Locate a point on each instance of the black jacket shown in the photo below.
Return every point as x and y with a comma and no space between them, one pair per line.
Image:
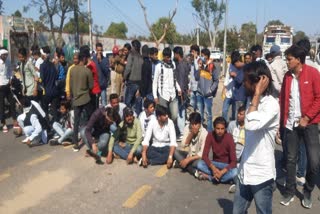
146,77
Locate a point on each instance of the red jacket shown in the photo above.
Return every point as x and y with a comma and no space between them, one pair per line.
96,87
309,87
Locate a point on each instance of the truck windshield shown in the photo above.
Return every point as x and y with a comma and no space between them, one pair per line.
270,40
285,40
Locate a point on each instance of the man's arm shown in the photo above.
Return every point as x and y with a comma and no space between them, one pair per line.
127,71
314,110
139,135
155,82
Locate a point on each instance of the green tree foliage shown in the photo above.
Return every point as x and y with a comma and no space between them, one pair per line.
39,26
118,30
17,14
299,35
247,34
233,42
275,22
70,27
157,28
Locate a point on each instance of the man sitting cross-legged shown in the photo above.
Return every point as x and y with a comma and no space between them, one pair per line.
162,133
194,137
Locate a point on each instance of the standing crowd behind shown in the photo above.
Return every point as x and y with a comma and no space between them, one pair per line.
145,119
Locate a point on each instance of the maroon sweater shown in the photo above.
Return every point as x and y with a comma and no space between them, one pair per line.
223,151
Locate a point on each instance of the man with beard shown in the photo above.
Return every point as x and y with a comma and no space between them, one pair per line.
116,104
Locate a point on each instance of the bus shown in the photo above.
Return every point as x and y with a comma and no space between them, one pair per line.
277,35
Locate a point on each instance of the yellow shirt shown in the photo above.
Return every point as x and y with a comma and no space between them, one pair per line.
68,80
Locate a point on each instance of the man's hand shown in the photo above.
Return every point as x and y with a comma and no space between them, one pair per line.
233,74
304,121
184,163
262,85
130,158
156,100
169,162
109,158
95,148
138,93
122,144
219,173
179,93
35,93
144,159
68,97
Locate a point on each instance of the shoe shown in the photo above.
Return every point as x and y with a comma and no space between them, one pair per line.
140,162
300,180
307,201
286,200
66,143
5,129
25,140
54,142
232,188
196,174
175,164
56,136
76,148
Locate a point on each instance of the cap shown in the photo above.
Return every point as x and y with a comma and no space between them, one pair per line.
127,111
275,49
3,51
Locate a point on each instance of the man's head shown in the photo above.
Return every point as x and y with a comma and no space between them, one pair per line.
145,51
22,54
247,58
4,54
205,53
195,122
166,53
99,49
236,59
252,74
296,57
305,44
111,116
45,52
128,116
136,45
162,114
256,51
275,50
178,53
195,50
36,54
126,49
269,57
114,101
241,114
149,106
76,58
219,125
84,54
153,54
65,106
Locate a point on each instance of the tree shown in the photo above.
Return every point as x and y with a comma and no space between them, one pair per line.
1,7
232,39
299,35
275,22
70,27
157,29
247,34
118,30
165,27
17,14
39,26
210,14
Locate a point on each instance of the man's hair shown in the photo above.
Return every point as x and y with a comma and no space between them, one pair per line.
36,52
148,102
145,51
166,52
84,52
128,46
268,55
305,44
195,118
241,108
127,111
178,50
113,114
220,120
255,70
297,52
99,45
22,51
235,57
136,44
247,54
161,111
66,104
153,50
195,48
113,96
46,49
34,48
255,48
206,52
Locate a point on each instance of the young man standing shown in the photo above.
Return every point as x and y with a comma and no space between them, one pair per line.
257,170
300,116
195,52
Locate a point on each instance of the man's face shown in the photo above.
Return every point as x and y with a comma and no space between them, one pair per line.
194,53
114,103
293,62
4,57
150,109
247,59
99,51
61,58
21,58
166,59
163,119
248,85
63,110
194,128
125,51
240,116
154,56
129,119
76,59
219,130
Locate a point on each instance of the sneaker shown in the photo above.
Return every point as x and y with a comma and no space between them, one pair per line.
54,142
56,136
5,129
300,180
232,188
307,201
175,164
76,148
196,174
140,162
286,200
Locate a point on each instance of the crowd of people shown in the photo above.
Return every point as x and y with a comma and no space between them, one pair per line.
144,119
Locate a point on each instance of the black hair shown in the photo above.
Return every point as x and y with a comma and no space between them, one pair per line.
268,55
256,69
195,48
305,44
66,104
247,54
297,52
161,111
113,96
36,52
255,48
60,54
46,49
84,52
99,45
113,114
127,111
166,52
195,118
22,51
241,108
153,51
235,57
206,52
148,102
145,51
136,45
178,50
220,120
128,46
34,48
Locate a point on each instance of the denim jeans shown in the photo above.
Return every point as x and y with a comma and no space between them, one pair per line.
205,106
104,97
193,100
302,161
102,144
181,120
225,109
158,155
229,176
181,155
78,110
124,152
261,193
172,106
62,132
130,98
310,137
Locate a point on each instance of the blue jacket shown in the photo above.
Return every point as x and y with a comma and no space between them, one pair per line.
49,76
238,93
207,81
103,71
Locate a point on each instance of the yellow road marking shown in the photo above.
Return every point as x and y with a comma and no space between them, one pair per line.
38,160
4,176
134,199
162,171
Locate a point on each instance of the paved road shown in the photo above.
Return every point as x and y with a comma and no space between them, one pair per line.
56,180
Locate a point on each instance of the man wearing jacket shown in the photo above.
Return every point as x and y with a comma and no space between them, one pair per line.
300,115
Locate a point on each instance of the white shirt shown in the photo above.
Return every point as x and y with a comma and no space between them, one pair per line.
144,121
228,84
122,106
5,73
164,83
294,104
258,161
161,136
38,63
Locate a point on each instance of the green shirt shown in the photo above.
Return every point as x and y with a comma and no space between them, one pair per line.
81,82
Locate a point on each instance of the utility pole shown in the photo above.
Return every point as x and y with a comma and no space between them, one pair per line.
195,17
76,24
225,39
90,24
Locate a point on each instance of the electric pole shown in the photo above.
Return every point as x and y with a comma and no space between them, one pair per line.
90,24
76,24
225,39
